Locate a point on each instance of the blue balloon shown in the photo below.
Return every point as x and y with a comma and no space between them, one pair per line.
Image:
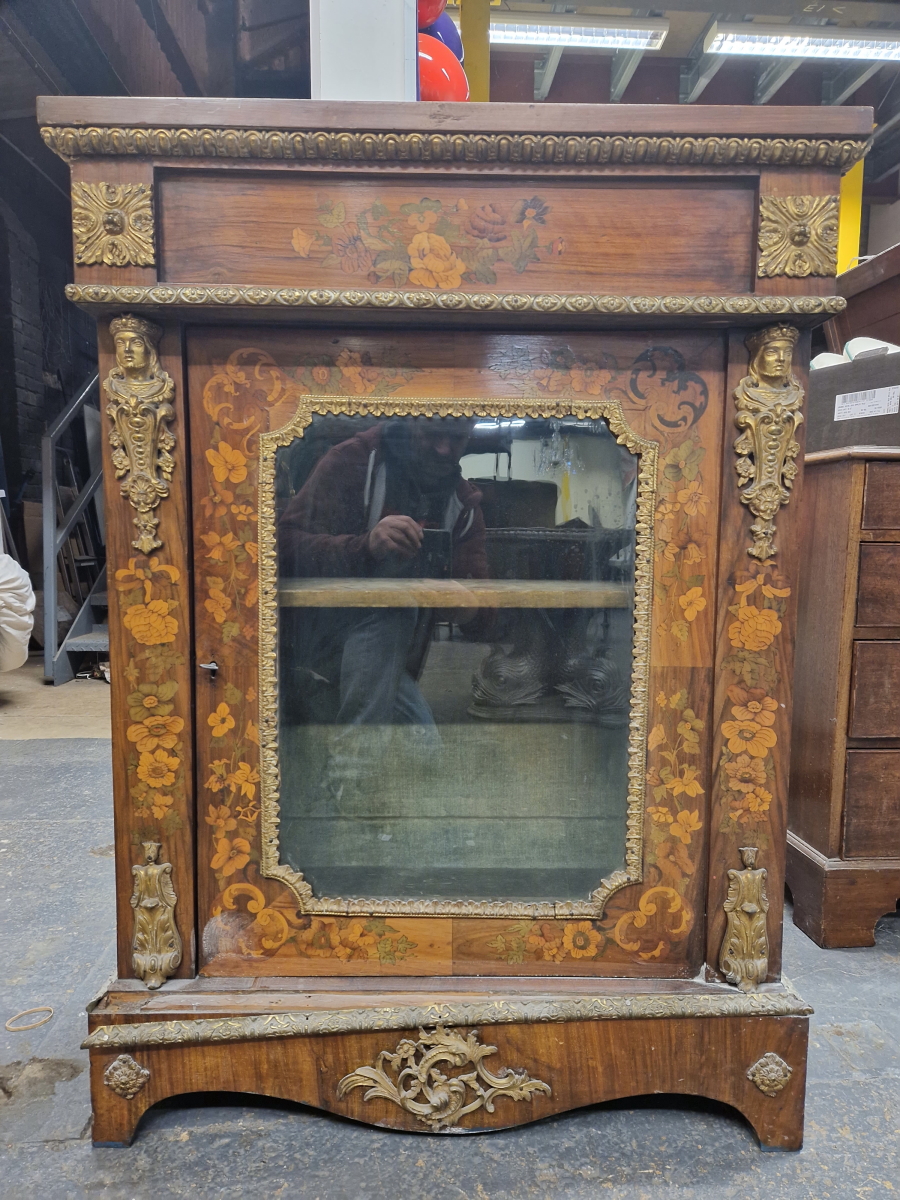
444,29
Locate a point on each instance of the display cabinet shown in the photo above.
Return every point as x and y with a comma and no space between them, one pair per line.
452,596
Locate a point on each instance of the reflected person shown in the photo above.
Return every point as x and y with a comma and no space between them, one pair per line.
362,514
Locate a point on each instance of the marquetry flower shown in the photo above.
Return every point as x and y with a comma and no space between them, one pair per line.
759,800
659,816
302,242
150,624
352,250
662,699
545,940
690,725
155,730
247,812
227,463
673,861
692,602
761,710
531,212
355,936
216,781
423,221
158,769
160,804
321,374
683,462
433,262
693,499
252,549
745,773
656,737
150,698
243,512
252,731
219,546
246,778
357,375
219,816
686,783
755,628
321,939
231,855
666,512
581,939
748,737
693,553
588,377
685,824
552,380
487,224
221,720
218,604
216,503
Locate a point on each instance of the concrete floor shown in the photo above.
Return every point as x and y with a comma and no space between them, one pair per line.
56,948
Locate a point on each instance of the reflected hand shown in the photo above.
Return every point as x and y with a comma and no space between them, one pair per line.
395,535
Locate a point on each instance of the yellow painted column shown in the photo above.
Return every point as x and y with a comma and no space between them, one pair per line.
475,27
850,221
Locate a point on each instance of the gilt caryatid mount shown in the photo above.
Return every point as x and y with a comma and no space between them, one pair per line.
156,942
768,414
140,395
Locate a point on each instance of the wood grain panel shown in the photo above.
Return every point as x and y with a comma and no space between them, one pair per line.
509,235
144,660
872,804
878,600
875,690
881,506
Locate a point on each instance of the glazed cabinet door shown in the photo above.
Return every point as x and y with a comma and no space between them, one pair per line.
458,589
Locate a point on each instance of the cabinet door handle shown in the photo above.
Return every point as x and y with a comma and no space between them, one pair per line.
212,667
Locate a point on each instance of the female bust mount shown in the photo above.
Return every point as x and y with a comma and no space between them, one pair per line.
768,414
140,395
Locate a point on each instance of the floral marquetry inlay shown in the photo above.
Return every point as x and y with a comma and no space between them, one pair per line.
113,224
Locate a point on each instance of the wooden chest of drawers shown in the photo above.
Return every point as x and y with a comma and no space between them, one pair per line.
843,862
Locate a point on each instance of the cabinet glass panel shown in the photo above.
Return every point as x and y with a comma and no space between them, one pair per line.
454,656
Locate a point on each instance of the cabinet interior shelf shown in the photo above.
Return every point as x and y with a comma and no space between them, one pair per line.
452,593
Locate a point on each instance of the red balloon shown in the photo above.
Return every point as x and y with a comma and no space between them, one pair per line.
441,75
429,11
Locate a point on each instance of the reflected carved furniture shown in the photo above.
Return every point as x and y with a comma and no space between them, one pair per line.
506,265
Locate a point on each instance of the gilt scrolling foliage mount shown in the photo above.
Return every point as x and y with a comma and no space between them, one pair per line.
647,451
113,224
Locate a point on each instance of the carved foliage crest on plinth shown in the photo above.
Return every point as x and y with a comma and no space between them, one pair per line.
411,1076
768,414
744,957
140,395
156,943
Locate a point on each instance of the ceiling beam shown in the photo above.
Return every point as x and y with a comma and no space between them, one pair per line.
843,11
770,79
840,84
546,72
624,65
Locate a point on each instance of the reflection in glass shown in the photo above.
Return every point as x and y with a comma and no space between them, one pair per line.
455,634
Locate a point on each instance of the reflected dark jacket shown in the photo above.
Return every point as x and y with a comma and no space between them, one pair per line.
324,529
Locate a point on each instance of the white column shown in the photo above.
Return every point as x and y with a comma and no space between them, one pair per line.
363,49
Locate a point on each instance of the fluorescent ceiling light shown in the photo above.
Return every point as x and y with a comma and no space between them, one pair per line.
634,34
797,41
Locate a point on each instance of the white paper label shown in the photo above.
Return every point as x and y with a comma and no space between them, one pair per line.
876,402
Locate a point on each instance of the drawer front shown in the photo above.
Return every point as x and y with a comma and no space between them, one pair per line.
872,804
881,505
879,596
875,693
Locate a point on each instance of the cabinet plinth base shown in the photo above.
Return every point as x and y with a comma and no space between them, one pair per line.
837,902
405,1060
